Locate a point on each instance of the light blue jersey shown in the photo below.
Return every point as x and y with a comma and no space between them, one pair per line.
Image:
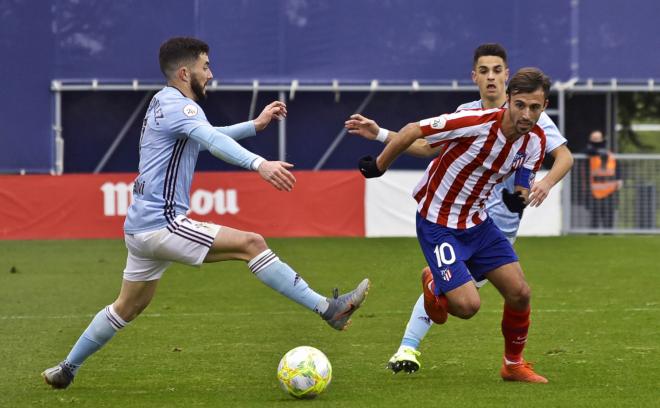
505,220
169,145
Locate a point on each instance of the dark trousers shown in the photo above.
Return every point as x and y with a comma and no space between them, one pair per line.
602,212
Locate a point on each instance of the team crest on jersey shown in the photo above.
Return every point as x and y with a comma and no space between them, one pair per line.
445,275
518,160
439,122
190,110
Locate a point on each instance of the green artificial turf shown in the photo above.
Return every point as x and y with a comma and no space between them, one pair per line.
213,336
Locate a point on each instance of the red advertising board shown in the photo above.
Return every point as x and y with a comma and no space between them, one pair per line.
327,203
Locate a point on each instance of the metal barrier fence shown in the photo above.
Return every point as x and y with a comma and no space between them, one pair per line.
634,208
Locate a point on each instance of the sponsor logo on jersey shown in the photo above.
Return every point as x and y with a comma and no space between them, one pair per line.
439,122
190,110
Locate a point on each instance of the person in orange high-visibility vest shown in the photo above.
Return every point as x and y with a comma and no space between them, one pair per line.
603,182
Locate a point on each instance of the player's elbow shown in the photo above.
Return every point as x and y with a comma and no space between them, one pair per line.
569,159
411,132
564,155
410,126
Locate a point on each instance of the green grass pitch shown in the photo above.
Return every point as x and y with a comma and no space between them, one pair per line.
213,336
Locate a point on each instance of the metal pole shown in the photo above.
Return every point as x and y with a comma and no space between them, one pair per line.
566,206
341,135
575,38
566,184
561,110
609,130
281,128
57,129
615,120
572,85
122,133
253,102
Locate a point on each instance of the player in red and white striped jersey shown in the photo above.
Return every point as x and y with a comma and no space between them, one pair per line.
478,155
458,239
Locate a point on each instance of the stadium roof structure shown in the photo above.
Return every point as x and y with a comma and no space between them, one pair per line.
287,91
375,85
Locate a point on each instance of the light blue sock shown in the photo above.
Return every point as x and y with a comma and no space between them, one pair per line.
418,325
268,268
104,325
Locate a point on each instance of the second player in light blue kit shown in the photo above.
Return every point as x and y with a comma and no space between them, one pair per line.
157,230
490,72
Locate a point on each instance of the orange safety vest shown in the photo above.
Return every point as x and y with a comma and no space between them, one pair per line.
603,179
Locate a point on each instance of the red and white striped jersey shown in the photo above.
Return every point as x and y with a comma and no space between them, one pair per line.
457,183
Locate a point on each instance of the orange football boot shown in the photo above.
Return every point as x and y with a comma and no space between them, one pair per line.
522,371
434,307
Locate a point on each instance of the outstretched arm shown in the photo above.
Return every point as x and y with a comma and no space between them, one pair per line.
277,173
274,110
239,130
227,149
562,164
437,130
369,129
402,141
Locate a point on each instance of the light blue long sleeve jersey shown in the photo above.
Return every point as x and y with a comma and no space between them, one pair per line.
505,220
174,131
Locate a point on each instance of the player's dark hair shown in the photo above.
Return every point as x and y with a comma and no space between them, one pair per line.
528,80
179,51
489,49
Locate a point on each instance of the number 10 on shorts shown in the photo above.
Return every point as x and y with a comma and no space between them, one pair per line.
444,254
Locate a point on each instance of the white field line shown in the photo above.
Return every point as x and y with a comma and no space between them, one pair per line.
273,313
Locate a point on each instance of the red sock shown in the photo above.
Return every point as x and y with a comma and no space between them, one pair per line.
515,325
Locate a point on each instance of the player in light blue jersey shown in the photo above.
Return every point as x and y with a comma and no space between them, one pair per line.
157,230
490,72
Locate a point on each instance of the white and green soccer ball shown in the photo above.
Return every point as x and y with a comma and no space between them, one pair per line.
304,372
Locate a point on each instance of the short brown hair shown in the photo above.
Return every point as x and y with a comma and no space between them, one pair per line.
488,50
528,80
178,51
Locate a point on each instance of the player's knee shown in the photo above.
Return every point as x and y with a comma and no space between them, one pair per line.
254,244
465,308
525,295
521,296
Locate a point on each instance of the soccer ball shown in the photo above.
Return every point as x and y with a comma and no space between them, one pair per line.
304,372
